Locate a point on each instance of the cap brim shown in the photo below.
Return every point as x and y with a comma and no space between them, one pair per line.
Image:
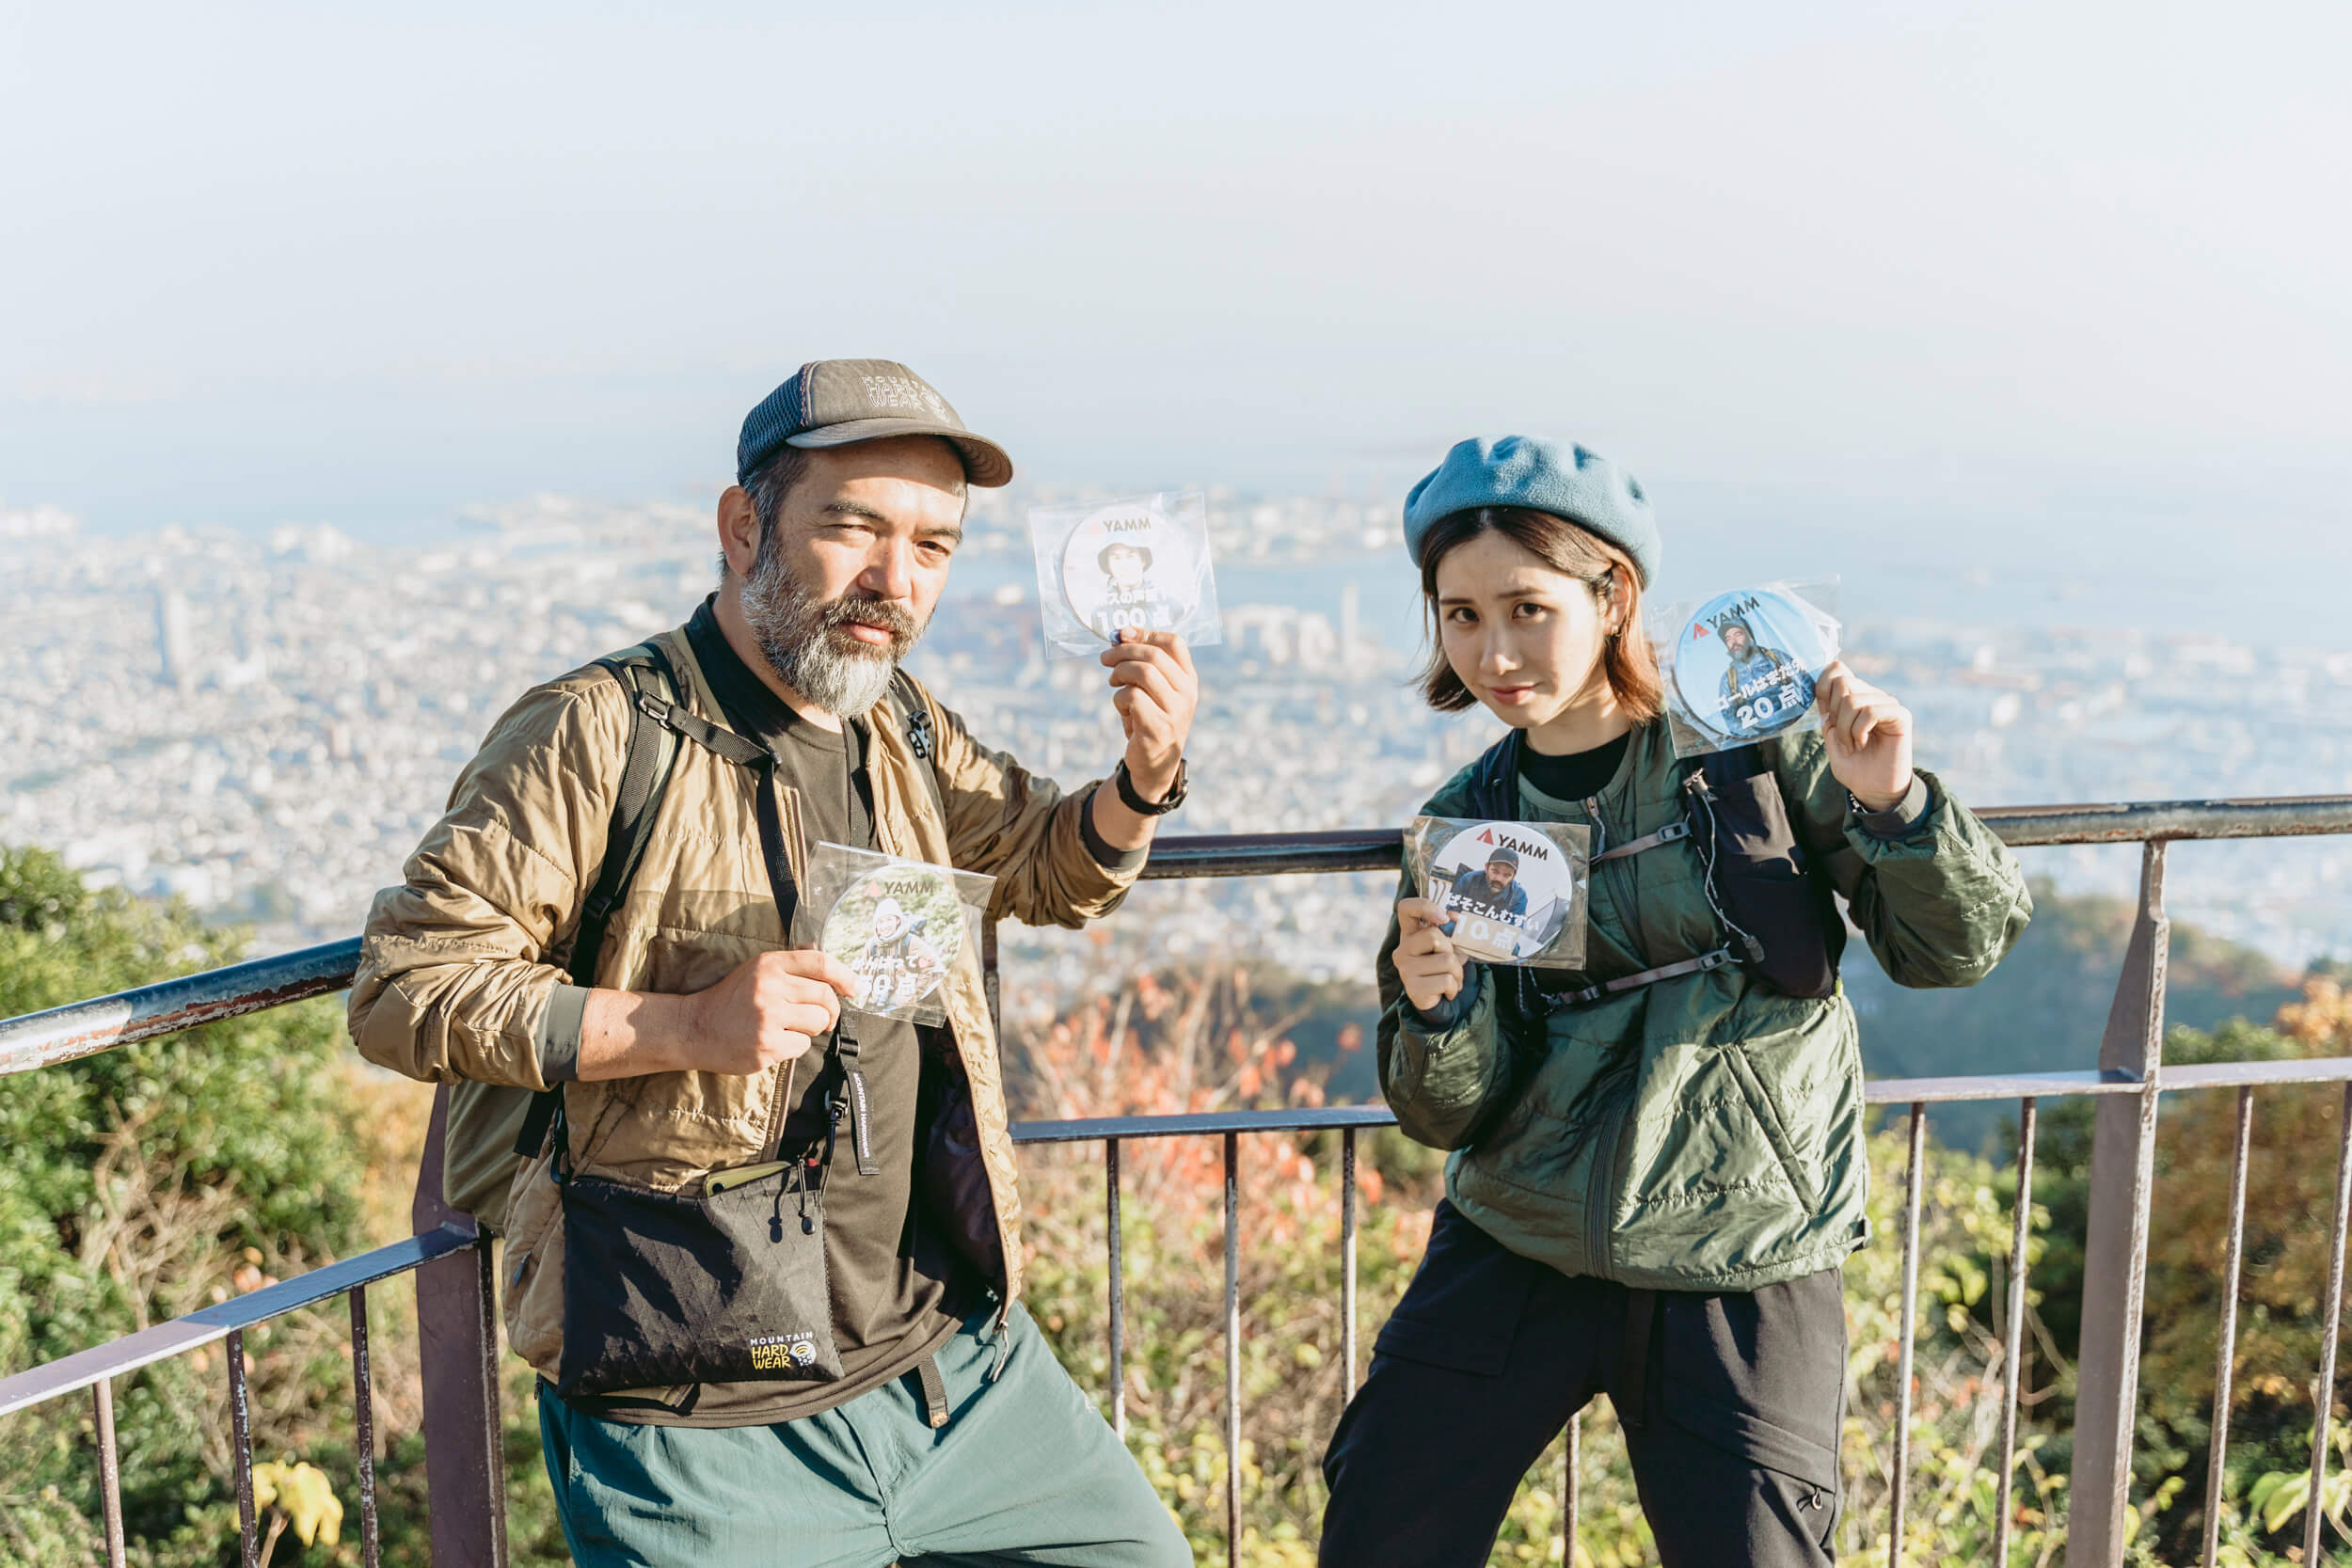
985,463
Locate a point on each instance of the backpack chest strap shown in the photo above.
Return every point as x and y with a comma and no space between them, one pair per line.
1673,832
1668,834
1704,963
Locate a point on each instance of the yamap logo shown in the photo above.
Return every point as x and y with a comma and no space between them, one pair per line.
1530,848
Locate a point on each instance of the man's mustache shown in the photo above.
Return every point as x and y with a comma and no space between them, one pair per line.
903,627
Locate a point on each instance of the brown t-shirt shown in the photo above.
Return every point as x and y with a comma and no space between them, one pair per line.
899,1287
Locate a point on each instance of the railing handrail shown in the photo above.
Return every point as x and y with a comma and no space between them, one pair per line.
164,1341
102,1024
456,1291
161,1341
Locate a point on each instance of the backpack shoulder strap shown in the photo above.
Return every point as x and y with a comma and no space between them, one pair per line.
652,756
1722,769
1495,783
645,676
912,714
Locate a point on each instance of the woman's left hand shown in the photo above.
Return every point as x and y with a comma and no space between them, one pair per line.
1869,736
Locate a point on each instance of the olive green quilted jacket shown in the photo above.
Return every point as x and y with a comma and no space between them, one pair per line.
1702,1133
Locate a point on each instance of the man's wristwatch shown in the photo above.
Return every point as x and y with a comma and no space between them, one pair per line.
1136,803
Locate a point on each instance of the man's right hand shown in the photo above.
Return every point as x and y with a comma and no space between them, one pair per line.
1426,959
768,1009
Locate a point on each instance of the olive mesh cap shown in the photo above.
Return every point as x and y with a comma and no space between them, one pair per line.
832,403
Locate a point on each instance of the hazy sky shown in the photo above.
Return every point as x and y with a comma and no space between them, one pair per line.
1880,264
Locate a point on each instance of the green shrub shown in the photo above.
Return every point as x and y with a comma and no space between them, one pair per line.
142,1184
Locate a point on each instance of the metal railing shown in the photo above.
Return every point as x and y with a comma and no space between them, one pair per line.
456,1290
465,1467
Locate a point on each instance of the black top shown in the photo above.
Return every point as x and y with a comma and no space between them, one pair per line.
1577,775
900,1288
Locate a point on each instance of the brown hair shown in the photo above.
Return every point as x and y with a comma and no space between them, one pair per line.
1626,660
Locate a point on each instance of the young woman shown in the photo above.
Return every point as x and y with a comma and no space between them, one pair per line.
1657,1163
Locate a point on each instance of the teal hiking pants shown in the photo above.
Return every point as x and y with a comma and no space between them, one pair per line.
1023,1472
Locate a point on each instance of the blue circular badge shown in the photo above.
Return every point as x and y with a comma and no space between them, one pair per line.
1744,665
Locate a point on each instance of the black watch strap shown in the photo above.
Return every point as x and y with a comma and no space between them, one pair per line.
1137,804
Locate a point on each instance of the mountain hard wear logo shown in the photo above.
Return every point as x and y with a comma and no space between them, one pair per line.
894,391
782,1351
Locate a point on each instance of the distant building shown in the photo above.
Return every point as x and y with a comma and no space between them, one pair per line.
40,522
171,639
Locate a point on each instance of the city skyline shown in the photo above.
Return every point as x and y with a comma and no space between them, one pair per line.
266,726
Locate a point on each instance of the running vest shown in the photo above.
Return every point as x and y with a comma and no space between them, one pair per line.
1780,920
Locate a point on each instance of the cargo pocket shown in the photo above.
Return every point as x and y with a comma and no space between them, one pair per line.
1762,1374
1463,1310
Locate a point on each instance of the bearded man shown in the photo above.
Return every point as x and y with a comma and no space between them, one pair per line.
1493,889
1755,672
702,1055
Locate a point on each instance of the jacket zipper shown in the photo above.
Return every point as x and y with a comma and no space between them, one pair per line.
1620,873
955,1064
1600,1211
1599,1222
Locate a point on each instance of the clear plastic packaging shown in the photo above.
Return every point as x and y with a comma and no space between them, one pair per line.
1140,561
902,926
1514,891
1742,665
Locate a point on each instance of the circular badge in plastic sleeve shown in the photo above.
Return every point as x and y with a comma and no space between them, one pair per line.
1744,664
899,929
1506,888
1127,565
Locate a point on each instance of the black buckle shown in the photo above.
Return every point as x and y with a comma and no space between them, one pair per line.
661,713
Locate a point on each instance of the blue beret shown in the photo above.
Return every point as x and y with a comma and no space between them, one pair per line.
1543,476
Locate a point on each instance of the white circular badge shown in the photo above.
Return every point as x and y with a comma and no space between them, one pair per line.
1505,888
1126,565
1745,664
898,930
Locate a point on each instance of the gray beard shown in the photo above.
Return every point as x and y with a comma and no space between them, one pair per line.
801,637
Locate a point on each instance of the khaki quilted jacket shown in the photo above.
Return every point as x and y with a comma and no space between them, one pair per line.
462,969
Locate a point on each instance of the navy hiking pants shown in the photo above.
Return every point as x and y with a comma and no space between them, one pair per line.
1731,1403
